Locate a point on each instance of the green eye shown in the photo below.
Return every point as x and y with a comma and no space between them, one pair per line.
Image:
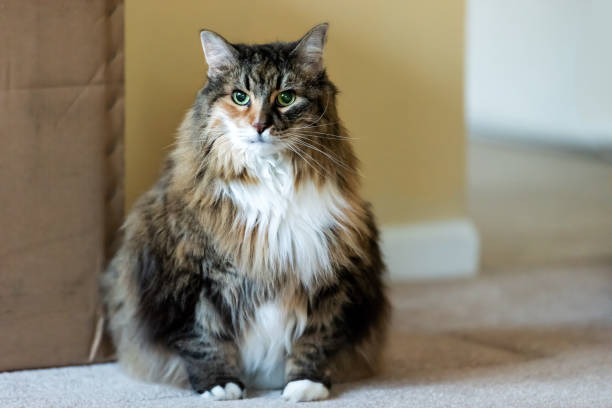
240,98
285,98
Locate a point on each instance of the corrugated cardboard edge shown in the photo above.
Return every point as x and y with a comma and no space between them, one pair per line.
101,346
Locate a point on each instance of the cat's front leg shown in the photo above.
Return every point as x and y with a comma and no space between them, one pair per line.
212,367
307,373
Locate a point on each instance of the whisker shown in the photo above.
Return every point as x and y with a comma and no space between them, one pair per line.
175,143
294,149
324,135
315,126
334,159
215,143
307,139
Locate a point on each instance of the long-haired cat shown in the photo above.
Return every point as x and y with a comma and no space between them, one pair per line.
253,261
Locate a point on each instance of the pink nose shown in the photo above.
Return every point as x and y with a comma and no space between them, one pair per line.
260,126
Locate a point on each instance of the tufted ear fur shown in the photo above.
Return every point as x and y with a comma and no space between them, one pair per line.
309,51
219,54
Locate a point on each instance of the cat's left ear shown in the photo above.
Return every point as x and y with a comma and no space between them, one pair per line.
309,51
220,54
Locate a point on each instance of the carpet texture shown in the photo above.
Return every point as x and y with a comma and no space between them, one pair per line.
532,339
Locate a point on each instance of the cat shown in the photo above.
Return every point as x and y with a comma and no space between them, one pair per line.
253,261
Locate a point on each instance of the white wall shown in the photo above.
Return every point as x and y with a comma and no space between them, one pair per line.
540,69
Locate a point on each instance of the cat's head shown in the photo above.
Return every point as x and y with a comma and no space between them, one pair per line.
262,100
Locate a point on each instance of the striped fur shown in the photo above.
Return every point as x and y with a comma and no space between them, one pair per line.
253,260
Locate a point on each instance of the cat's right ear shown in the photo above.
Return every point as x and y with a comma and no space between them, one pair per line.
309,50
219,54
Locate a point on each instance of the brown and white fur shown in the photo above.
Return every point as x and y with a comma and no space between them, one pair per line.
253,261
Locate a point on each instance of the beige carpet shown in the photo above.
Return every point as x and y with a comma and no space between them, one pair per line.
531,339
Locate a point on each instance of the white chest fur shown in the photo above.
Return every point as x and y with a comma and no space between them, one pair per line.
291,221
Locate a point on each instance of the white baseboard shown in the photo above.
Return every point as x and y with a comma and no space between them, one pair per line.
431,250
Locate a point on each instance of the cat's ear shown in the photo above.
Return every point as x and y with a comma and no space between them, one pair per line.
309,51
219,54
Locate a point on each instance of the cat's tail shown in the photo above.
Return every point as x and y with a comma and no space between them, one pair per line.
97,339
135,353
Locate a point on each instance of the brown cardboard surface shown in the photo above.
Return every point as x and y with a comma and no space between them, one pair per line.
61,171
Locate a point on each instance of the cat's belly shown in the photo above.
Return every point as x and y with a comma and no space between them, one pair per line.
267,342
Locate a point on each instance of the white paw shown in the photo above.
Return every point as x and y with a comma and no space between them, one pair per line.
231,391
305,390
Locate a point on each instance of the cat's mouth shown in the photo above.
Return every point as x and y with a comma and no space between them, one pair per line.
265,138
262,144
259,139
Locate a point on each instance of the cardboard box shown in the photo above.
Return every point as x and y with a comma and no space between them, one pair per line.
61,173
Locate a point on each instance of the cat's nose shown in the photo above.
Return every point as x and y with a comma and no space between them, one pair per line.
260,126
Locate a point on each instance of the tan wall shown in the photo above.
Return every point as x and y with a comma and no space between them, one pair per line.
398,64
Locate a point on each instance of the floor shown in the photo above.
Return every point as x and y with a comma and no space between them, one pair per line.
538,205
533,338
534,329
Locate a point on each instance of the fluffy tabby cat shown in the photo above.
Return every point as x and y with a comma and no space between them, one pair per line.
253,261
